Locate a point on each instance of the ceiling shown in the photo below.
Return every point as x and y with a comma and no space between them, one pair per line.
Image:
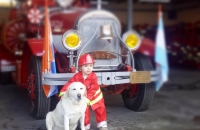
176,5
171,1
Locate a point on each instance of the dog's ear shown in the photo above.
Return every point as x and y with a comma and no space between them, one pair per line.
67,91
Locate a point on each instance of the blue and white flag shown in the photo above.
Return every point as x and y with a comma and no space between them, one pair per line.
53,89
161,55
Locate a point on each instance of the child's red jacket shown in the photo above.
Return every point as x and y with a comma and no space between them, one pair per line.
94,94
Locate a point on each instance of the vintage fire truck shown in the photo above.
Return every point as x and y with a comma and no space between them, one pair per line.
123,62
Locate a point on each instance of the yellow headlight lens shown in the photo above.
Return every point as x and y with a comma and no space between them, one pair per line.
132,41
72,40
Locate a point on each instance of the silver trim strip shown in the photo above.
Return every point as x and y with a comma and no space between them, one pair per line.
104,78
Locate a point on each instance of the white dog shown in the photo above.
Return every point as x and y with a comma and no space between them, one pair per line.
69,109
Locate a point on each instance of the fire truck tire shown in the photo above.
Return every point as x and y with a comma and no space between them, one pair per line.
40,104
5,78
142,98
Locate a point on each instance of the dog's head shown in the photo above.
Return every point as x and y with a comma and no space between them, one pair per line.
76,91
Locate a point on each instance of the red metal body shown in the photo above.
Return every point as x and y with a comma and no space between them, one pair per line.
28,44
147,47
36,46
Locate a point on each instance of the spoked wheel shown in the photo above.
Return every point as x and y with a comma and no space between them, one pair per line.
138,97
14,34
40,104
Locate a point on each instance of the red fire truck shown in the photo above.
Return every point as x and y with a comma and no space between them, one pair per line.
123,62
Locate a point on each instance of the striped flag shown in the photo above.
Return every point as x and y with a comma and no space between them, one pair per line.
161,54
53,89
48,59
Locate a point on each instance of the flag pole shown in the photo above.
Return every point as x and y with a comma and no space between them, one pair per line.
159,15
159,10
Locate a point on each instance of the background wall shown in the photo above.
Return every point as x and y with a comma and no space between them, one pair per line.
191,15
143,13
147,13
4,14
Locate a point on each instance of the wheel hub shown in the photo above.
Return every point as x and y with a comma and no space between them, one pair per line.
31,88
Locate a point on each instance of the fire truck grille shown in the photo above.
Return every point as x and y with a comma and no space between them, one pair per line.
105,52
8,68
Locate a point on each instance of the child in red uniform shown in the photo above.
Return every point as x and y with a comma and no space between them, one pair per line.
94,94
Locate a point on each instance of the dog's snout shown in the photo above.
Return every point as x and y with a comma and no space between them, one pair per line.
79,96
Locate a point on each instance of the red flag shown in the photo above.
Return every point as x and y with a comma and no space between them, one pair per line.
47,56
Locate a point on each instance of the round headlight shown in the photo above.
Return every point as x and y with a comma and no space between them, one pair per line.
71,40
132,40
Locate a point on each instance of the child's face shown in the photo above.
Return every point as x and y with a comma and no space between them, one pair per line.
86,69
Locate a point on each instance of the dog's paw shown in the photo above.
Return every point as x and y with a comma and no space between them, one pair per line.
83,128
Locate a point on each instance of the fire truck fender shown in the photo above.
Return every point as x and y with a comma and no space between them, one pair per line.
36,46
147,47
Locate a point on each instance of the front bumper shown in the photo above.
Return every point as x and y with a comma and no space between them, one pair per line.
104,78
